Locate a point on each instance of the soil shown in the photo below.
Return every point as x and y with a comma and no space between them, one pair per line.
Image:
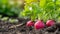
20,28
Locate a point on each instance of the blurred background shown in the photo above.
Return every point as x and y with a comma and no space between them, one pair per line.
42,9
11,8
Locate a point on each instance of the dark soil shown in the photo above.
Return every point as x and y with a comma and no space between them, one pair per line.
20,28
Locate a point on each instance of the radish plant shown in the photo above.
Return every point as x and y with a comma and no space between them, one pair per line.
30,11
44,11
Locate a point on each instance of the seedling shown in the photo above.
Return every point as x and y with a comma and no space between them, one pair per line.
13,20
4,18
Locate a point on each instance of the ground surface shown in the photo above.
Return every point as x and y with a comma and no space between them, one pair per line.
20,28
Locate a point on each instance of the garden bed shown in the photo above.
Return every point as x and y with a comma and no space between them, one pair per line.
20,28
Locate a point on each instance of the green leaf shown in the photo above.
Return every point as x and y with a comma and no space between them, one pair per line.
42,3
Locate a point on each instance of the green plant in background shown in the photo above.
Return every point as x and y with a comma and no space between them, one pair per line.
5,18
10,8
33,9
13,20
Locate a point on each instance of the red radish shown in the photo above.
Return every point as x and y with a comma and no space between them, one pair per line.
50,23
39,25
30,23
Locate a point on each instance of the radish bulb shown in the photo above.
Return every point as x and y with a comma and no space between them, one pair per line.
30,23
50,23
39,25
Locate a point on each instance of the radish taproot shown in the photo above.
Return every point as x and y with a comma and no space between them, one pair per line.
50,23
39,25
30,23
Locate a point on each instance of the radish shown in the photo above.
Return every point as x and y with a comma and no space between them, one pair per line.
39,25
30,23
50,23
